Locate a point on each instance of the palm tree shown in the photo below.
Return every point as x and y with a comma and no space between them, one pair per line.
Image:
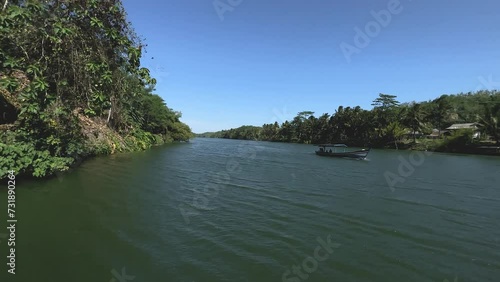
412,117
394,131
384,109
439,112
490,119
286,132
322,128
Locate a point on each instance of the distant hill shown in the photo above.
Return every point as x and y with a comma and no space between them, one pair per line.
206,135
246,132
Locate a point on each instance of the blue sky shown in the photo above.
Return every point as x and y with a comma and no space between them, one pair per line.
266,60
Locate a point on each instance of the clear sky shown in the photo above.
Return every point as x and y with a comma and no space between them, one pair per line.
259,61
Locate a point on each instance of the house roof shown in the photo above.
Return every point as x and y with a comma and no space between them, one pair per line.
463,126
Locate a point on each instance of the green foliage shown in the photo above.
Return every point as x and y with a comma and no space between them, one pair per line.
101,147
23,158
394,131
413,116
490,118
387,123
457,142
63,59
245,132
180,132
385,102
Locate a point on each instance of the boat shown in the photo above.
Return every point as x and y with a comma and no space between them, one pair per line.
340,151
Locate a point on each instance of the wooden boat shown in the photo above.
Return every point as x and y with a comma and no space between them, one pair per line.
340,151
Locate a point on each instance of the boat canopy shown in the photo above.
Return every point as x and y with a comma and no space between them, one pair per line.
333,145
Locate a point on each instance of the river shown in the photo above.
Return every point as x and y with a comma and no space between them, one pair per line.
228,210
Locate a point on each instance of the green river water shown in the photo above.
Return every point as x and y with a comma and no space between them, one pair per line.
228,210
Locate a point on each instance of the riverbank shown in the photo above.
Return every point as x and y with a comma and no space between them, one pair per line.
60,102
450,145
434,145
96,139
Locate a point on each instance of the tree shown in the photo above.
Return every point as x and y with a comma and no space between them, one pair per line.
300,127
68,66
395,131
384,109
385,102
413,117
181,132
439,112
386,123
321,131
286,132
490,119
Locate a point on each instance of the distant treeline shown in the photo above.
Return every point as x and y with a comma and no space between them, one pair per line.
388,122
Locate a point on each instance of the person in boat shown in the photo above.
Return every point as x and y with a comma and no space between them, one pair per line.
330,151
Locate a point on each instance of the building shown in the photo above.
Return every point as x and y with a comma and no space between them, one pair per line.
457,126
472,126
436,134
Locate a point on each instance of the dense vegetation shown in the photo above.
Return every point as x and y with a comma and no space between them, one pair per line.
71,86
388,123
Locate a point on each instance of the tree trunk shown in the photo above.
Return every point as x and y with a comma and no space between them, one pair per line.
109,116
5,5
112,104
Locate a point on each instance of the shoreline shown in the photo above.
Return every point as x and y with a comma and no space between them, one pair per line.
467,150
493,151
80,159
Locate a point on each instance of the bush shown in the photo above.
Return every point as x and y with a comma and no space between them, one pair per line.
24,159
457,142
